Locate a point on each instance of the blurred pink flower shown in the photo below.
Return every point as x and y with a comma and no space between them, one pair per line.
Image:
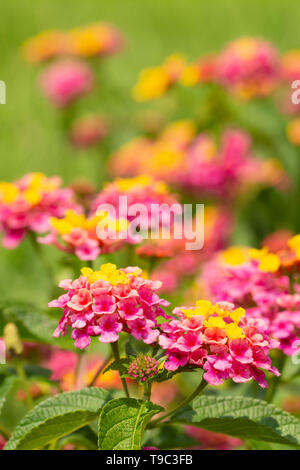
28,203
197,164
88,131
66,80
248,67
265,295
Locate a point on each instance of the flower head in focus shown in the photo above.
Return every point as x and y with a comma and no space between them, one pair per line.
105,302
221,340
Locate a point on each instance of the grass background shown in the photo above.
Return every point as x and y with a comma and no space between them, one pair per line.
29,137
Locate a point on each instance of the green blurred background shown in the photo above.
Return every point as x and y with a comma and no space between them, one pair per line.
30,139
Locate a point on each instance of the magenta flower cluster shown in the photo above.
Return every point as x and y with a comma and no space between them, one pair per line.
265,295
219,339
103,303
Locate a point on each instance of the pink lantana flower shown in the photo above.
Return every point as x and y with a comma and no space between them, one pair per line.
27,204
64,81
103,303
248,67
226,344
78,234
143,190
258,280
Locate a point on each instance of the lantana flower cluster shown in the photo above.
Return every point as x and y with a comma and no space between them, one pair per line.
76,233
93,40
221,340
141,192
103,303
248,67
27,204
261,281
195,163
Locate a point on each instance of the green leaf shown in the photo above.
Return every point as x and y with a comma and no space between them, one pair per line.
129,349
122,423
120,365
85,438
5,388
165,374
246,418
56,417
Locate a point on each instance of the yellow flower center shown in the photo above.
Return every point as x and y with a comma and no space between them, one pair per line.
108,272
215,316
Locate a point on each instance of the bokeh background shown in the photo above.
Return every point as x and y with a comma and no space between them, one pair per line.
33,135
29,130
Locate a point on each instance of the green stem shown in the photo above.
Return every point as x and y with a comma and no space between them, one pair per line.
115,351
89,264
291,284
181,405
22,375
79,371
276,380
5,432
147,391
152,264
53,444
43,260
